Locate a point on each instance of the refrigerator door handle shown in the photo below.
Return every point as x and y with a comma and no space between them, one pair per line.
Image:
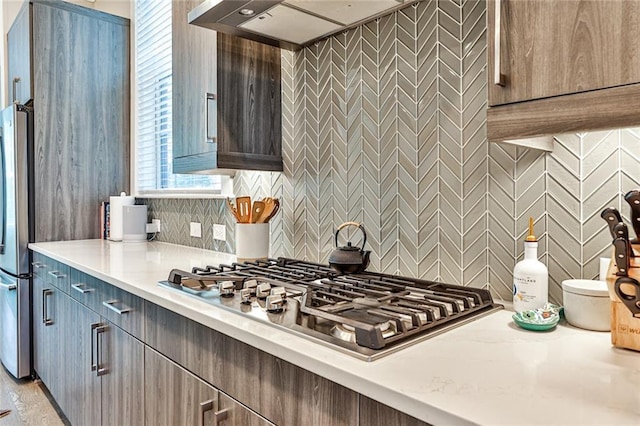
8,286
3,189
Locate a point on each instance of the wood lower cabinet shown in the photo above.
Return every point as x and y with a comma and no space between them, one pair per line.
373,413
47,354
182,398
92,368
122,384
281,392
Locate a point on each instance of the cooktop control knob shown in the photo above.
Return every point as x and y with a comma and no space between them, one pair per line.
262,290
226,288
274,303
251,286
280,291
245,296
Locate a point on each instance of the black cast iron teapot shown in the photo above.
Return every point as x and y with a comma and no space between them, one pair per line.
349,259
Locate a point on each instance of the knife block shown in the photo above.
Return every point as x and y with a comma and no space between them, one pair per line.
625,328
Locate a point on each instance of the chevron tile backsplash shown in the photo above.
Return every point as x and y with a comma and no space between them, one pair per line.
385,125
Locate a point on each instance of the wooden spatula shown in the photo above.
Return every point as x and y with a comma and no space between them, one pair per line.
244,209
257,211
271,210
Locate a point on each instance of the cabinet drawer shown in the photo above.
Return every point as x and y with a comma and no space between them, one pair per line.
52,272
86,289
122,309
40,265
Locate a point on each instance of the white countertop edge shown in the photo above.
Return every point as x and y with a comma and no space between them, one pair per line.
322,362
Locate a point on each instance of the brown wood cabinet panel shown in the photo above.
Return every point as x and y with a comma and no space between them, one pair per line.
19,57
194,75
597,110
174,395
552,48
281,392
123,384
249,104
81,117
373,413
80,386
238,415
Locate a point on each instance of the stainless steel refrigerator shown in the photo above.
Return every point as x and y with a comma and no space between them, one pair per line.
15,233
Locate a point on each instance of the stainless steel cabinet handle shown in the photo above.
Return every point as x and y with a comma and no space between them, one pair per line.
100,371
110,304
82,288
38,265
16,80
57,274
8,286
498,77
204,407
45,307
94,364
220,416
211,117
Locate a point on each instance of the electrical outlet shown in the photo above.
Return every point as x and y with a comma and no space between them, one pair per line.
196,229
154,226
219,232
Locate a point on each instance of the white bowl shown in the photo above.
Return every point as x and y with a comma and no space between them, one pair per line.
587,304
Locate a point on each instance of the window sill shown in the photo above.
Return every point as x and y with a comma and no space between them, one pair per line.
183,194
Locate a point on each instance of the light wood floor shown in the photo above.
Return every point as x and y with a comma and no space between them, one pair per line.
27,401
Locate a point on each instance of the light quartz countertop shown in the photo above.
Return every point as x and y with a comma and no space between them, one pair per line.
485,372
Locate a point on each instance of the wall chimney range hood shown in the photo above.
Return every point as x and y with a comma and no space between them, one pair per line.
289,24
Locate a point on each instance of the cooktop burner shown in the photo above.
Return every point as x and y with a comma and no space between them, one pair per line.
367,315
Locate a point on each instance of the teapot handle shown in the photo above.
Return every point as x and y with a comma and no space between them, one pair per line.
356,224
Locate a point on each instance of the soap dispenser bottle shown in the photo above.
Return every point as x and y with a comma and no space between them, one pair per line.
530,277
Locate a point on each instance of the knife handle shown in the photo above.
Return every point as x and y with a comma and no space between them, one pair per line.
622,231
633,198
612,217
621,252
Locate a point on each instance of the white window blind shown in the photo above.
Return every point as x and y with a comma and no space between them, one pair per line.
153,85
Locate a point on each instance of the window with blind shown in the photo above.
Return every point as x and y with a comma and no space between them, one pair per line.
153,86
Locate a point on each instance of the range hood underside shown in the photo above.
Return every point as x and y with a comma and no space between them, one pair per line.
289,24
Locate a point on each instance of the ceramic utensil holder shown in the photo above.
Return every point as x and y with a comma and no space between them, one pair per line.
252,241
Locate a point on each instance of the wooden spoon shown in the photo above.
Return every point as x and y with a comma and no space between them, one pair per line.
244,209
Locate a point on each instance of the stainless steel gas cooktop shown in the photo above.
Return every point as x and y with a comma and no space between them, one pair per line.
366,315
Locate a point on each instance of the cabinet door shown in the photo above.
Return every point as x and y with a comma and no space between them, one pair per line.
122,357
551,48
80,398
174,395
232,413
193,86
249,105
19,57
81,119
43,330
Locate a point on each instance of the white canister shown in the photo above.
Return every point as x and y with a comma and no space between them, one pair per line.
252,241
587,304
116,213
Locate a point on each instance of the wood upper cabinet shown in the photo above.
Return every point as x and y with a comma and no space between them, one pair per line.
563,63
226,99
80,68
19,57
194,85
